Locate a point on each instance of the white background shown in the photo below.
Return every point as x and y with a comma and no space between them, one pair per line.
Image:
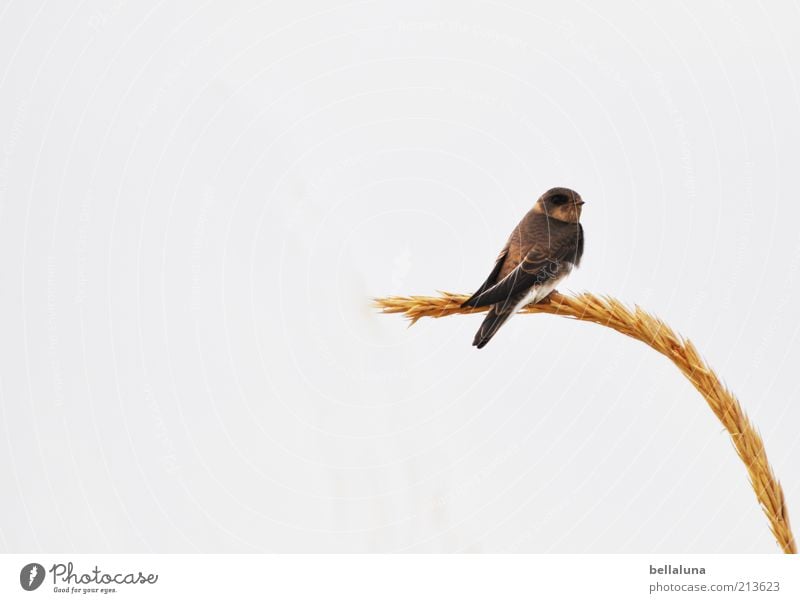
198,200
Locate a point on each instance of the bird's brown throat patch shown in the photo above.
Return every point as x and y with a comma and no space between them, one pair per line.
569,212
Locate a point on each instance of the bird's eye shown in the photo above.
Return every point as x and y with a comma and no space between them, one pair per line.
559,199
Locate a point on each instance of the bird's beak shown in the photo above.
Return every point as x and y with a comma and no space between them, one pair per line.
581,202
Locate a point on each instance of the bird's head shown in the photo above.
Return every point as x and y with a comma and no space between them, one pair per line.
559,203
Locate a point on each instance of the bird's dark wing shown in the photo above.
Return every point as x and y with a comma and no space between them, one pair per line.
491,281
539,266
579,248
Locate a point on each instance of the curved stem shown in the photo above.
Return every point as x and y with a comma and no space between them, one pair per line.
638,324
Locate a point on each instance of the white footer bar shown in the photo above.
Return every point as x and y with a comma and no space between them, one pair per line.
406,578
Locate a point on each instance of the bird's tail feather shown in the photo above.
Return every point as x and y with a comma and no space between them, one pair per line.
494,320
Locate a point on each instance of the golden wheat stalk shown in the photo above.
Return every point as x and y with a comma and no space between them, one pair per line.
648,329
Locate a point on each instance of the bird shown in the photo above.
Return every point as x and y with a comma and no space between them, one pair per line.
541,251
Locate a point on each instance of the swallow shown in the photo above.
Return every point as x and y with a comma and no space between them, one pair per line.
541,251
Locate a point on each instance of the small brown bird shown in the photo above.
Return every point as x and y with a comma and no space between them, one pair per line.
540,253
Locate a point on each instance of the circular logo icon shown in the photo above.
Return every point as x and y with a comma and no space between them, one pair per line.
31,576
